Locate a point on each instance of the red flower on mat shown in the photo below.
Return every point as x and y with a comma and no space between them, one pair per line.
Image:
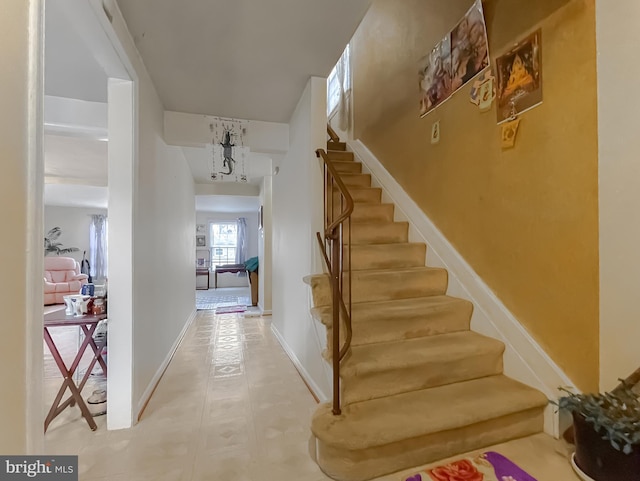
462,470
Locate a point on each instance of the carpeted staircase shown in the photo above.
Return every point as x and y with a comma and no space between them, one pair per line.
418,384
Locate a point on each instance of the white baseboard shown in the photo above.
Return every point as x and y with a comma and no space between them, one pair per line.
524,359
313,386
148,392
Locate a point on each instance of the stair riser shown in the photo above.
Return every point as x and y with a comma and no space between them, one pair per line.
371,195
365,464
385,286
372,213
401,324
445,314
387,256
348,167
336,146
340,155
357,180
365,213
406,329
410,329
389,286
387,233
395,381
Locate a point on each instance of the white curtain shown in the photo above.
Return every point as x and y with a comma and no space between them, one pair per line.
98,247
241,250
344,84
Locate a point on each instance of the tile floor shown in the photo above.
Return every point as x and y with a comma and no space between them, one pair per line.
231,407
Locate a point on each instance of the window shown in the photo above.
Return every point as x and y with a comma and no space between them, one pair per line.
333,82
224,242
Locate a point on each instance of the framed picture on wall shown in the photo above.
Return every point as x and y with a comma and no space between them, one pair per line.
200,228
519,73
201,241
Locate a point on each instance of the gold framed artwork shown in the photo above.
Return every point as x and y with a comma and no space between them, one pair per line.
509,133
519,78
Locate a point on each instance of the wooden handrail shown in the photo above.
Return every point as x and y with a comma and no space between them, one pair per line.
334,251
333,137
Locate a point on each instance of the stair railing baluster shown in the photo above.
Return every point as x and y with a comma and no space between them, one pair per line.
337,254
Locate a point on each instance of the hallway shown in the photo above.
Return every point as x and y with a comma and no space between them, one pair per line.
230,407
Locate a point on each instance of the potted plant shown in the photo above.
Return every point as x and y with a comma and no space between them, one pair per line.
606,432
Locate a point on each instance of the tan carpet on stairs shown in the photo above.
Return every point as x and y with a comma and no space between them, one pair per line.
418,385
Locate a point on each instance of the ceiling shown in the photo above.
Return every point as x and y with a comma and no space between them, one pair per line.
70,68
75,163
244,59
247,59
69,195
75,160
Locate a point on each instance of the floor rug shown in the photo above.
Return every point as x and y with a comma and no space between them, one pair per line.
225,296
489,466
230,309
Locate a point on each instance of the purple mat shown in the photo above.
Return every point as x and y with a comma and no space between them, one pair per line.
230,309
489,466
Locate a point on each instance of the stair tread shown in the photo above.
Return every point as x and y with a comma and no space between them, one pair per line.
366,272
386,420
388,245
336,146
369,358
379,223
390,270
386,256
373,205
393,308
396,270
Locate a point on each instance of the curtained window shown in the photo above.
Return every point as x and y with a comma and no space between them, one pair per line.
241,251
223,242
98,230
339,91
228,242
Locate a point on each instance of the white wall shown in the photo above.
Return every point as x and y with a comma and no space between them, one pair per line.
163,234
265,247
74,222
228,279
297,216
21,217
75,117
618,40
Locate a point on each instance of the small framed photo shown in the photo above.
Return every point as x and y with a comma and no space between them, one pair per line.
200,228
201,241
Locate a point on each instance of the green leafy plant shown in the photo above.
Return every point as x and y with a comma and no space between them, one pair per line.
53,247
615,415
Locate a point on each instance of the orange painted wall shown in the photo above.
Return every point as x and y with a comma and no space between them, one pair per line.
526,219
